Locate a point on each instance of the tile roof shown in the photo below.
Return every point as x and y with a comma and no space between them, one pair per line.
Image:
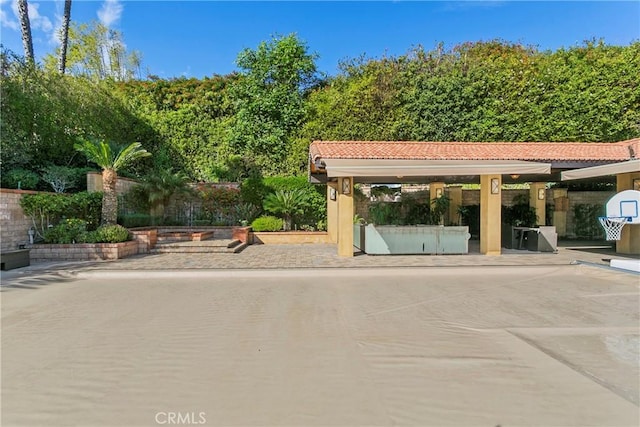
528,151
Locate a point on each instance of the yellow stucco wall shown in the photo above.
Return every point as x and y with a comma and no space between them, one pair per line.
345,218
332,212
537,200
490,215
629,242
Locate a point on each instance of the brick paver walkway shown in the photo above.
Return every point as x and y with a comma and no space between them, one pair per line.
321,256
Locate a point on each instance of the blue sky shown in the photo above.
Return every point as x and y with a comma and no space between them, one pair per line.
202,38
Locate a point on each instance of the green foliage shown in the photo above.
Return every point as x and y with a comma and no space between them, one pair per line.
86,206
160,186
20,178
269,97
267,223
439,208
61,178
109,156
470,216
289,203
520,214
137,220
72,230
386,213
112,233
220,205
44,114
261,119
255,191
585,221
246,212
97,52
483,91
47,209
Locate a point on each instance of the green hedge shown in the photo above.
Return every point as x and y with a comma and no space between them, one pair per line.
267,223
255,190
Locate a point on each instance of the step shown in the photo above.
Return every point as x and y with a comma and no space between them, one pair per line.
183,236
205,246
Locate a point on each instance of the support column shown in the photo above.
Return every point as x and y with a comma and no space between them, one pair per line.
629,242
332,211
538,199
436,190
490,214
345,217
455,195
560,209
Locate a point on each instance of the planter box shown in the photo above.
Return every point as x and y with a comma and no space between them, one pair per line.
147,237
83,251
242,234
409,240
289,237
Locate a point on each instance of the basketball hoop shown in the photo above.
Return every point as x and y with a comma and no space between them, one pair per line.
613,226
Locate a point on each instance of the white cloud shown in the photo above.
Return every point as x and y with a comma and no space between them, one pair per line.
37,21
5,20
110,12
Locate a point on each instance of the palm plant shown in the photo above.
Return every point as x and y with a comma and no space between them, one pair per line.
287,203
161,186
105,156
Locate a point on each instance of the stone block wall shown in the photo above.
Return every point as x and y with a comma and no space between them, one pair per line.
14,224
83,251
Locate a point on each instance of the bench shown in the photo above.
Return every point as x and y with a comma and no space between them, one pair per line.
14,259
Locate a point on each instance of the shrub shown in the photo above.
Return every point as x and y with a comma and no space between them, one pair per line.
20,178
219,205
267,223
71,230
46,209
585,221
137,220
112,233
288,203
256,190
520,214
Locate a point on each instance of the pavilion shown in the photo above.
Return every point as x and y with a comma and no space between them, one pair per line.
342,164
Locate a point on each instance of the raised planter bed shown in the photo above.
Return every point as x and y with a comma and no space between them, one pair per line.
288,237
83,251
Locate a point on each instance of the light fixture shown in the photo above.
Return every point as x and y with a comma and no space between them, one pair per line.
514,176
346,185
636,184
541,193
332,193
438,193
495,186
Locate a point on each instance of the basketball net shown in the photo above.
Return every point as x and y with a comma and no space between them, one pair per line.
612,226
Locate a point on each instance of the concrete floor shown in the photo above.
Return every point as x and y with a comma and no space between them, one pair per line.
548,345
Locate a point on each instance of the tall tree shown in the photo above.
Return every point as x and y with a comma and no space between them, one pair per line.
104,155
27,40
95,51
64,37
270,99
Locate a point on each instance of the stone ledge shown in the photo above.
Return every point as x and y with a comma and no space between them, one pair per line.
288,237
83,251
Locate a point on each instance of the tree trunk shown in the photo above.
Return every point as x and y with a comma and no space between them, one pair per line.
109,197
27,41
64,37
